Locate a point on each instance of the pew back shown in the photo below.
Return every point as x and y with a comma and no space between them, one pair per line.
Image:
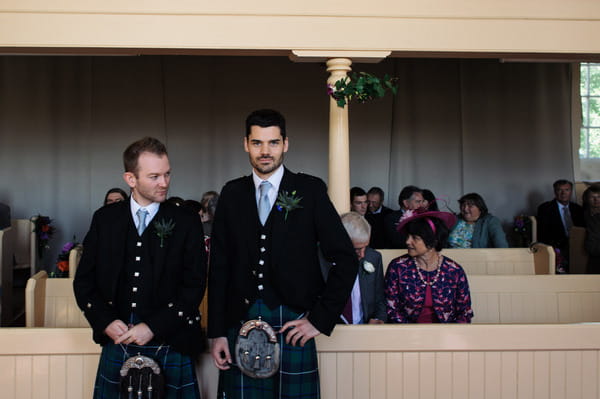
50,302
25,244
535,299
7,239
493,261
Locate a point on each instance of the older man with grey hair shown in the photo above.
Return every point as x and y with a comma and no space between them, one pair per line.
366,303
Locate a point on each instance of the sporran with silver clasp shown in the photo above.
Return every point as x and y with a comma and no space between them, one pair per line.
257,349
141,378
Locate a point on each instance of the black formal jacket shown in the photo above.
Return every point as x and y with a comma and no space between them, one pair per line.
178,275
550,229
376,220
294,271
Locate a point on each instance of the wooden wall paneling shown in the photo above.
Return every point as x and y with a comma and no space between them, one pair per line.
426,369
410,375
443,373
460,375
41,376
525,377
345,367
557,375
493,375
377,370
394,376
476,374
589,374
24,378
573,375
508,369
328,373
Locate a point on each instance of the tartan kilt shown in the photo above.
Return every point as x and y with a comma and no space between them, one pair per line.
178,369
298,375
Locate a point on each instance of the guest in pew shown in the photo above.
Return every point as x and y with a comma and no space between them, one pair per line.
429,201
591,214
476,227
555,218
366,304
141,279
376,215
424,286
209,203
4,216
115,195
410,198
358,201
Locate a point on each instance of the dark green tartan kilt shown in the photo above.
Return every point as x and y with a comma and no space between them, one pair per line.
298,375
178,370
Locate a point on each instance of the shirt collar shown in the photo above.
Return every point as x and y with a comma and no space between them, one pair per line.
274,179
152,209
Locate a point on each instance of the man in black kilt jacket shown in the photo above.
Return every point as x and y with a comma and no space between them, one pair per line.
267,231
141,278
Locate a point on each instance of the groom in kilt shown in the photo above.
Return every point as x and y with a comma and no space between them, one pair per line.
267,232
141,278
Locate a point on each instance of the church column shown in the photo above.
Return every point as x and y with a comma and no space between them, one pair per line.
339,140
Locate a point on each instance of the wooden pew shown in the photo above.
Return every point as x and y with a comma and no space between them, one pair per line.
50,302
480,360
74,258
494,261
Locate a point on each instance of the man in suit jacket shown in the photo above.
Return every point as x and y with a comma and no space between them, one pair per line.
142,276
556,217
366,303
267,231
4,216
375,216
410,199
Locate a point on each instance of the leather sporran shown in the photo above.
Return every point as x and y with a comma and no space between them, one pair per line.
141,378
257,349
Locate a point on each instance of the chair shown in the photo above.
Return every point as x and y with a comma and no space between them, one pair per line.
25,245
74,258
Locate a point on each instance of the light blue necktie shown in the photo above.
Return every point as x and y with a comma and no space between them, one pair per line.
264,205
141,214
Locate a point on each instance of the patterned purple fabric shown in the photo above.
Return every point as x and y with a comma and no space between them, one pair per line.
405,292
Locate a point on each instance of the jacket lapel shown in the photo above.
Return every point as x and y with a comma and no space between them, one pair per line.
120,229
280,224
158,253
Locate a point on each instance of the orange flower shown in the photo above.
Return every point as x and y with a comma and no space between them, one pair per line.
45,228
63,265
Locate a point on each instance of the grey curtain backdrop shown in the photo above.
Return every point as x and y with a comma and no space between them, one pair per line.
456,126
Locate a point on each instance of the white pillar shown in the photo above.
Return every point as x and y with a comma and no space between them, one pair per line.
339,140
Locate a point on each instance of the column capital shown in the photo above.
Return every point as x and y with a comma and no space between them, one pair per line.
363,57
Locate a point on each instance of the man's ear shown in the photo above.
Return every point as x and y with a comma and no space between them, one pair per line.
130,179
245,139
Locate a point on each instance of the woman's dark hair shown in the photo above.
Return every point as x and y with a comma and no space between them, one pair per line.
430,197
433,239
476,200
115,190
593,189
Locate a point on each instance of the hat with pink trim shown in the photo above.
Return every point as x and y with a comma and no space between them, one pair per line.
449,219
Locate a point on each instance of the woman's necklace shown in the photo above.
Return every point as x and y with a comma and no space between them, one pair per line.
437,274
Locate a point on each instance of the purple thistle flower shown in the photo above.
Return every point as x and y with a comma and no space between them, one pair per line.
68,246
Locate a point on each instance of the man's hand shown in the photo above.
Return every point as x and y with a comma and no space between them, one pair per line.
140,334
115,330
219,349
375,321
300,331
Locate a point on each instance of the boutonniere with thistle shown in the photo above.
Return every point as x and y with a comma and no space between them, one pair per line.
164,229
368,267
287,202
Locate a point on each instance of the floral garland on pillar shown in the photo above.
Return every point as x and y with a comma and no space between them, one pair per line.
362,87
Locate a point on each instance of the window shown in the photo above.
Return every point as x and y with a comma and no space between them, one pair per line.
590,106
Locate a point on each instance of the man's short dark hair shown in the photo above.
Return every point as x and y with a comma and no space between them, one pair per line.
134,150
432,239
266,118
356,192
376,190
476,200
561,182
406,193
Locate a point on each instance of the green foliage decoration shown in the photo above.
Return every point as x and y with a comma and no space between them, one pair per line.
362,87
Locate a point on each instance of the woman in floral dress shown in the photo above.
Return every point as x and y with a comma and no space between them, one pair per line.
424,286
